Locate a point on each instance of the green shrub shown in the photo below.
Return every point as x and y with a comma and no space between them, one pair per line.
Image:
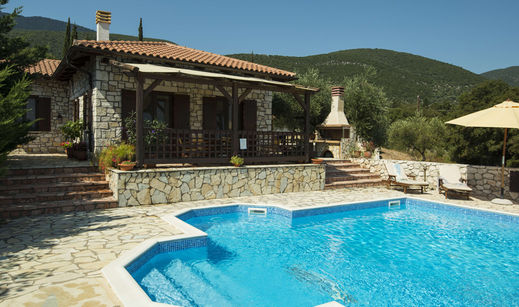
237,160
72,130
154,130
112,155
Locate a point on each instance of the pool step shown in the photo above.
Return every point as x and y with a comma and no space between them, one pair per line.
345,174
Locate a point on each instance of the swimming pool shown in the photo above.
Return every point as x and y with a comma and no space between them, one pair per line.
415,253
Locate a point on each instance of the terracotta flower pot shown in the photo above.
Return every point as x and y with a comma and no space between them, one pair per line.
70,152
126,167
356,153
317,161
367,154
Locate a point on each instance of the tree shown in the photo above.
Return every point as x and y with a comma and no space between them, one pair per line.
288,113
483,145
74,34
67,42
16,55
418,134
366,107
140,31
13,107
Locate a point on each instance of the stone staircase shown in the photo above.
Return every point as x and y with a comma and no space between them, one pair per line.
35,191
345,174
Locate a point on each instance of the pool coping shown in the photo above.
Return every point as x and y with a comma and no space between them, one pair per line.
130,292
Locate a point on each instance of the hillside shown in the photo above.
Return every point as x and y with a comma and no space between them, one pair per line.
403,75
510,75
51,32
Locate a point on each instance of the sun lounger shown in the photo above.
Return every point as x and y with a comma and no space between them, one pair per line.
398,177
450,181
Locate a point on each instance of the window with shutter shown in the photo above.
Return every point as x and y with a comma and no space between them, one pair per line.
216,113
39,108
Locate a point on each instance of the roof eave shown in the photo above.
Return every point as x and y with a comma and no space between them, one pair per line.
73,50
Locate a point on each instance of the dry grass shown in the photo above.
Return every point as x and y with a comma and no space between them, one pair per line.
391,154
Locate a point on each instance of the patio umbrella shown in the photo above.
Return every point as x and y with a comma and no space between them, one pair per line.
503,115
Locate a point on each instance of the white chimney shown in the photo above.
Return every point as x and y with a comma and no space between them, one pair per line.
336,118
103,20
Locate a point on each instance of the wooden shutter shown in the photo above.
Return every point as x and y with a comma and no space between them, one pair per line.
127,103
209,112
181,112
250,115
43,112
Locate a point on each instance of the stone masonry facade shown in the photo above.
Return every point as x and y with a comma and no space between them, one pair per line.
485,181
61,112
161,186
109,81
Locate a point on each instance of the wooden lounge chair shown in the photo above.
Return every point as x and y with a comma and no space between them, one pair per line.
450,181
398,177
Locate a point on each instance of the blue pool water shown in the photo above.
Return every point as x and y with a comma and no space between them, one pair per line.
411,256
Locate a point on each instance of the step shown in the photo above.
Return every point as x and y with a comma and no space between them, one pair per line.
54,187
330,179
358,170
52,196
344,166
51,170
354,183
33,209
336,161
46,179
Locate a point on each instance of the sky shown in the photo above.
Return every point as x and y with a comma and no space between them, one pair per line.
476,35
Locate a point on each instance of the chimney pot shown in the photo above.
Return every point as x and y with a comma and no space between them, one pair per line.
337,90
103,20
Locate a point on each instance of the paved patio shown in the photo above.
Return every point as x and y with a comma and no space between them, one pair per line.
55,260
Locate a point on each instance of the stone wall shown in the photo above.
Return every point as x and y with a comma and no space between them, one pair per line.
61,112
159,186
484,180
109,81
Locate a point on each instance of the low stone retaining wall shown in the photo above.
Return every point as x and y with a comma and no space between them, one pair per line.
160,186
484,180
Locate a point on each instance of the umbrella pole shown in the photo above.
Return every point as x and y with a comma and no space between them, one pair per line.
503,166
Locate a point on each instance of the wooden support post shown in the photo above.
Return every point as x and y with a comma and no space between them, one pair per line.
139,106
235,104
307,126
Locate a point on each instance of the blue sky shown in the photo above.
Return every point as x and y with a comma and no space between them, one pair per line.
476,35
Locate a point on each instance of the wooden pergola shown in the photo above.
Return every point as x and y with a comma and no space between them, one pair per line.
220,81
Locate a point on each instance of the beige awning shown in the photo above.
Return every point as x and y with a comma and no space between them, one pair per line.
153,68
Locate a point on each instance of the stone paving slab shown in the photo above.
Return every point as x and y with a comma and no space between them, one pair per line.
55,260
20,160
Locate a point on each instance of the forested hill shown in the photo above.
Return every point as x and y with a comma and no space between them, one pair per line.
403,76
51,33
510,75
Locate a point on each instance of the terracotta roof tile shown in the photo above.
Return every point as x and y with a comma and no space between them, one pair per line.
171,51
45,67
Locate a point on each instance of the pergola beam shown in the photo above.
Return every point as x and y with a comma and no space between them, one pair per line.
152,86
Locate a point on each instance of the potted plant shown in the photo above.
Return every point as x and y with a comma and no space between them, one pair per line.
72,131
111,156
126,165
237,161
369,146
68,148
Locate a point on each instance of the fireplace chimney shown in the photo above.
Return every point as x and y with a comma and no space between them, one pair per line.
336,126
336,118
103,20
